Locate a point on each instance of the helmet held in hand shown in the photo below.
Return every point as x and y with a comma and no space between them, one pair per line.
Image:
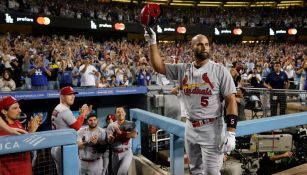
150,14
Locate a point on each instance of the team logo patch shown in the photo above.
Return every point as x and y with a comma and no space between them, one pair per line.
207,80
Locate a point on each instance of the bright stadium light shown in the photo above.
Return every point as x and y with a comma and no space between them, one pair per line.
292,31
209,4
181,4
119,26
181,30
43,20
237,31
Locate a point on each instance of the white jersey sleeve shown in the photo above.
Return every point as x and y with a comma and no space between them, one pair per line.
68,117
62,117
111,128
174,71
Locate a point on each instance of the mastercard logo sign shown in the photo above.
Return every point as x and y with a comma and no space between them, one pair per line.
292,31
43,20
181,30
237,31
119,26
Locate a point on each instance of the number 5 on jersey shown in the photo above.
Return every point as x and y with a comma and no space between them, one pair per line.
204,101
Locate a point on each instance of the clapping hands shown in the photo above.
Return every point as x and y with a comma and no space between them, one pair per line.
34,123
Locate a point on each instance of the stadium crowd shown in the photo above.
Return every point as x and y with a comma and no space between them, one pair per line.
214,17
41,63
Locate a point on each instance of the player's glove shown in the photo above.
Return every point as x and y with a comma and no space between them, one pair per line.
150,36
123,137
229,143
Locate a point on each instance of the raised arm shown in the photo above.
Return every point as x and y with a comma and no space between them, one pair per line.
156,60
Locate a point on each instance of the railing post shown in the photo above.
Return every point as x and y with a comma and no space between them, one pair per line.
70,159
136,143
265,104
176,155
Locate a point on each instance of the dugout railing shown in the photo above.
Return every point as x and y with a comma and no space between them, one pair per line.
65,138
295,101
176,130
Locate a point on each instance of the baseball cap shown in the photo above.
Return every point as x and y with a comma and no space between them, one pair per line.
67,90
7,101
110,116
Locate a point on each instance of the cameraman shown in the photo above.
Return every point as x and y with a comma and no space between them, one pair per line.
269,163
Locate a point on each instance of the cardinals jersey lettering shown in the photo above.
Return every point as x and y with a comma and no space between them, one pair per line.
203,89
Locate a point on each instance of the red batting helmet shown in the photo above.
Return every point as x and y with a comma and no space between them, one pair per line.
149,14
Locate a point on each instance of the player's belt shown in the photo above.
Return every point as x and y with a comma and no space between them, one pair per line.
202,122
120,150
90,160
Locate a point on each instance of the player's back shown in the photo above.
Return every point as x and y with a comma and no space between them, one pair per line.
62,117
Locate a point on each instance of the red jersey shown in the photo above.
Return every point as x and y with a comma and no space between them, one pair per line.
16,163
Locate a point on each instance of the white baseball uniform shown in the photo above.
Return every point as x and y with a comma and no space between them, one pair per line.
203,92
90,157
61,118
121,149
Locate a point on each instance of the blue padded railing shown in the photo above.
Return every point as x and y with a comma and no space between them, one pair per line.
67,138
176,129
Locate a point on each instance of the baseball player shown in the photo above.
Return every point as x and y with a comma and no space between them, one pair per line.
90,141
17,163
119,133
63,118
204,84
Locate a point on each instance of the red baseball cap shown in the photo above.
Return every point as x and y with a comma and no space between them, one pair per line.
67,90
7,101
111,116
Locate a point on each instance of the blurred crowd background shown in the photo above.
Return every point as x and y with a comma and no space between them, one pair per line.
124,63
125,12
31,62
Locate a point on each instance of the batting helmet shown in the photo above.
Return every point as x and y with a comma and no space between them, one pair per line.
149,14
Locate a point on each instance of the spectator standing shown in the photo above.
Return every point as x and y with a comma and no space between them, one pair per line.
54,65
39,74
277,80
288,67
88,73
6,82
65,73
76,75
